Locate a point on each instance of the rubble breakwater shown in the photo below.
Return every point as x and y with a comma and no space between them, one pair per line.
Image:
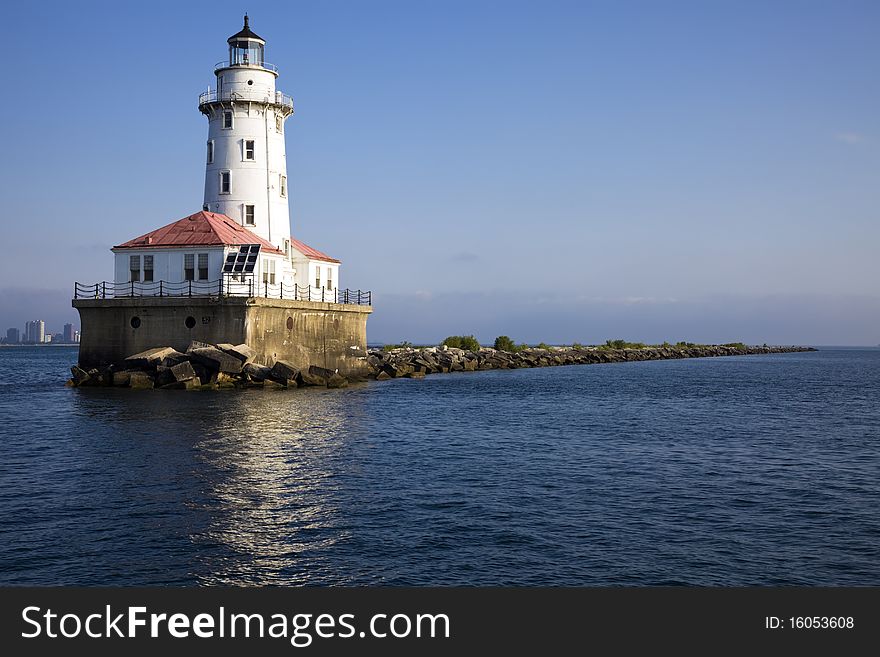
206,366
417,362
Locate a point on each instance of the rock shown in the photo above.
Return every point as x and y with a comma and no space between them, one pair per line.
314,370
79,375
217,360
382,376
416,375
174,358
122,379
307,379
92,378
316,376
206,375
164,376
283,372
240,351
337,381
269,383
256,372
188,384
183,371
195,344
140,380
149,358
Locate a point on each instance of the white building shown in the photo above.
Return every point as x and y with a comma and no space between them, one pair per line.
35,331
240,243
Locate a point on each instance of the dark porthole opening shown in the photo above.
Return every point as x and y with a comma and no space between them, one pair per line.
190,322
250,81
289,323
135,322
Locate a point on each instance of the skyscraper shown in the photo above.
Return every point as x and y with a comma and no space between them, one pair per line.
13,336
35,331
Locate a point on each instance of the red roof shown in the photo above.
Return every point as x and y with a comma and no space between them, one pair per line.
309,252
199,229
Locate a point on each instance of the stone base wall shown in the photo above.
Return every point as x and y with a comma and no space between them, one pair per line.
305,333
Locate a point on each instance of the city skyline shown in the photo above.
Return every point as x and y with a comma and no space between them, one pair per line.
35,332
556,172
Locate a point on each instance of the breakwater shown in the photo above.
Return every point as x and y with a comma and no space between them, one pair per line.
208,366
418,362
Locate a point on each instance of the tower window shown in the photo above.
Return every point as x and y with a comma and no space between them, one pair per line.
225,182
249,149
329,278
189,267
279,123
283,185
249,215
134,268
227,120
317,277
211,151
148,268
203,266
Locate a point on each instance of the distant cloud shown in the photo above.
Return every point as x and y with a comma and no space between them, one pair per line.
850,137
464,256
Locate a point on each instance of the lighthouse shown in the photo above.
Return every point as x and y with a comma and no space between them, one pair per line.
231,272
245,160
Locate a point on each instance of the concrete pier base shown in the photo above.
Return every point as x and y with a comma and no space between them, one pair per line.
330,335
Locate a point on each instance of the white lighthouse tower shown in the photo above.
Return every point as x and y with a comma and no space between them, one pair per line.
246,165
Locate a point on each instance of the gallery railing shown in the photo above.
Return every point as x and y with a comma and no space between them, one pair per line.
225,287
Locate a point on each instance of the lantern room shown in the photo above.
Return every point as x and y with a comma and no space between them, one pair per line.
245,47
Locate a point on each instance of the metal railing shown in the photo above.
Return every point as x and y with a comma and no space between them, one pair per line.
212,96
266,65
224,287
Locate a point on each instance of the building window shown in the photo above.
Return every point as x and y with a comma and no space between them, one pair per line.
148,268
249,150
203,266
225,182
134,268
287,248
329,278
283,185
317,277
189,267
249,215
268,271
227,120
279,123
211,151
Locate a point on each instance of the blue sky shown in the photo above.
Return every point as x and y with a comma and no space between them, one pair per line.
557,171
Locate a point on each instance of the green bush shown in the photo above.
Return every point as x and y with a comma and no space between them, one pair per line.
504,343
467,342
622,344
738,345
402,345
544,345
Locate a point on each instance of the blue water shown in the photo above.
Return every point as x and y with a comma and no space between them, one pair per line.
722,471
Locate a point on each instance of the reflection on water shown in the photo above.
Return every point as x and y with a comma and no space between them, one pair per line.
275,460
249,477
